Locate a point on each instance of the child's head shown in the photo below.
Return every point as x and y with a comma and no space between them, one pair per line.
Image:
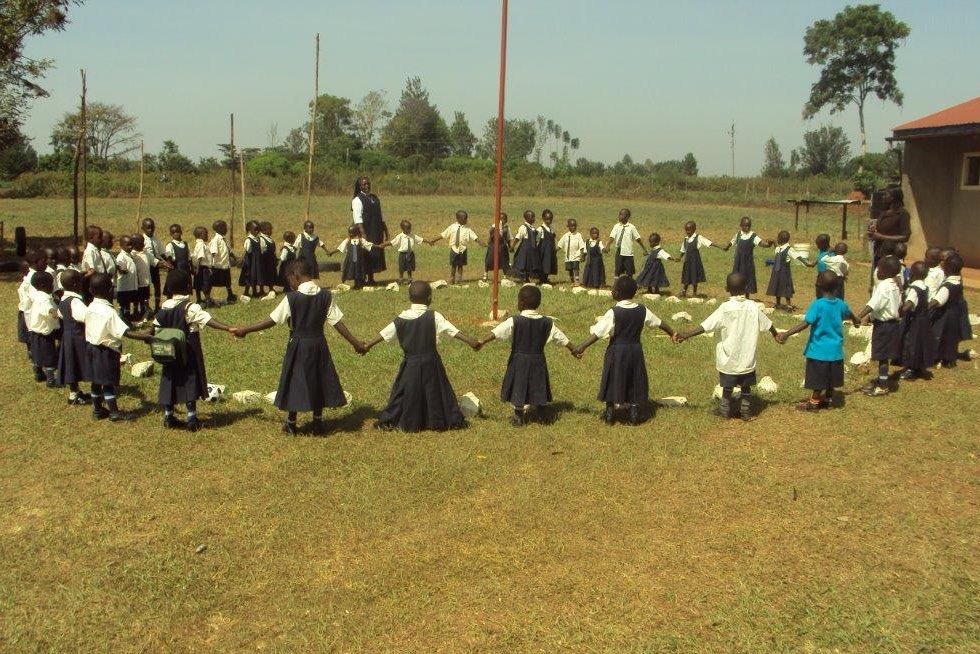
572,225
745,224
420,293
23,266
51,254
840,249
107,240
503,218
932,257
654,240
624,215
148,226
918,271
462,217
823,242
138,242
529,297
176,232
220,227
736,284
43,281
298,271
252,227
888,267
406,227
827,283
62,256
354,231
900,251
201,233
690,227
125,244
266,227
782,237
529,217
945,252
179,282
289,237
308,227
547,216
624,288
76,254
953,264
594,233
94,235
100,286
71,280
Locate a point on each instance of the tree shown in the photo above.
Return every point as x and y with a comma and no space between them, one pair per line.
111,132
519,140
774,165
857,52
461,139
295,143
825,150
369,118
269,163
335,137
170,160
19,75
416,129
272,136
689,165
17,157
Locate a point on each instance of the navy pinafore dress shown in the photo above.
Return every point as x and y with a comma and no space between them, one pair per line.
781,279
745,260
73,365
182,381
653,275
549,253
504,250
526,380
283,263
307,250
624,370
594,275
527,259
692,272
948,323
917,342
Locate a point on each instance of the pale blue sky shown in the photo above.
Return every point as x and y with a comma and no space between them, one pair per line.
653,79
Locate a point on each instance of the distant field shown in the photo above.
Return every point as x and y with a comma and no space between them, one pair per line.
854,530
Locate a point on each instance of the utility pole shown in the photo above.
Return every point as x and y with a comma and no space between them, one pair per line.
732,134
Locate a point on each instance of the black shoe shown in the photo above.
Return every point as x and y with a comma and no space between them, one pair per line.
53,383
232,299
518,419
39,376
171,422
634,415
80,400
194,425
119,416
100,413
609,415
908,375
289,428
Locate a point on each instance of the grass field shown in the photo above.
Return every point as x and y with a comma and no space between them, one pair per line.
854,530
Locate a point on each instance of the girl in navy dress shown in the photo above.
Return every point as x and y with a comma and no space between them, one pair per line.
286,254
692,272
184,381
270,272
781,279
653,277
177,253
745,241
73,365
306,248
252,276
527,256
949,312
308,381
546,246
918,348
624,369
504,249
357,257
594,275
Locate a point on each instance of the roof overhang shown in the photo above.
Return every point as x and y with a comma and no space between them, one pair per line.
968,129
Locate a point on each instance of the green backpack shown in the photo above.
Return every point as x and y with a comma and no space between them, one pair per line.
169,344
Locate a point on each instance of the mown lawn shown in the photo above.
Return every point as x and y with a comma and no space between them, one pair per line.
855,530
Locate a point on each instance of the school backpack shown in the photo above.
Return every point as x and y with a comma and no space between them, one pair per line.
168,345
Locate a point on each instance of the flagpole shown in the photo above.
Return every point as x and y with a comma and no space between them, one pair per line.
498,187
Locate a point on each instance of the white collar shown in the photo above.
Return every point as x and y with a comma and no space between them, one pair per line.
737,298
692,236
69,294
625,225
920,284
954,279
530,313
308,287
418,307
289,246
181,244
890,281
627,304
307,237
100,300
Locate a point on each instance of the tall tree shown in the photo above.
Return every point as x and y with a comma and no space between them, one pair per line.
370,116
170,160
461,138
111,132
416,129
856,51
775,165
689,165
17,157
19,74
519,139
295,143
825,150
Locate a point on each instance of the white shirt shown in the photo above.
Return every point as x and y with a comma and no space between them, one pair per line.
793,254
108,262
42,316
357,242
197,318
662,254
743,236
934,279
942,295
443,326
505,330
76,307
604,327
268,243
699,242
459,237
103,326
885,300
573,245
590,243
220,257
623,236
280,315
250,242
357,209
912,296
142,260
200,255
404,242
287,249
171,250
126,281
60,268
24,292
92,259
739,323
153,248
837,264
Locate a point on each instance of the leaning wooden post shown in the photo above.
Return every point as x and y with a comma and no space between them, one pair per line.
74,187
231,220
139,203
313,112
241,162
84,131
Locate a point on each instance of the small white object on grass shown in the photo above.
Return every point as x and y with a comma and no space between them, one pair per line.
682,316
547,286
972,354
577,290
483,284
214,392
562,289
439,283
348,397
271,295
393,286
864,331
695,300
342,287
651,296
672,298
142,369
246,397
672,401
711,301
768,311
126,358
767,385
271,397
861,358
368,289
245,299
469,404
604,292
507,283
974,320
593,291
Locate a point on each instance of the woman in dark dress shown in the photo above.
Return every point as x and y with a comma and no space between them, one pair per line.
894,225
366,210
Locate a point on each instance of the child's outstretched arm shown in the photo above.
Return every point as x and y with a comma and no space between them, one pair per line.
680,338
860,316
241,332
667,329
469,341
585,345
492,337
433,241
774,332
378,340
138,336
642,246
358,346
329,252
806,262
214,324
782,337
724,248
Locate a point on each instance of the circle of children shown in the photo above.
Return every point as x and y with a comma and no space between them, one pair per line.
75,333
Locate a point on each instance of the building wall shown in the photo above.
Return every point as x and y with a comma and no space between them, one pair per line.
942,214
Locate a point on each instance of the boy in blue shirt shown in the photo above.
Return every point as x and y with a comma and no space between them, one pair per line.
825,350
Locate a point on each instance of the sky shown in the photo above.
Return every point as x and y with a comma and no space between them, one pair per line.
648,78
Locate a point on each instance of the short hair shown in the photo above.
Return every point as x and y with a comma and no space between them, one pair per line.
299,268
840,248
900,250
63,255
736,283
42,278
200,229
31,257
529,296
528,214
461,214
827,281
624,287
419,292
547,212
100,285
626,211
934,253
889,265
655,237
783,236
289,236
218,223
919,270
71,278
179,282
954,263
148,221
822,238
175,226
745,218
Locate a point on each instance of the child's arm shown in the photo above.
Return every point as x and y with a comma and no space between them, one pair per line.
488,339
806,262
240,332
686,335
860,316
586,344
667,329
906,307
781,338
774,332
214,324
642,247
433,241
332,252
138,336
469,341
378,340
358,346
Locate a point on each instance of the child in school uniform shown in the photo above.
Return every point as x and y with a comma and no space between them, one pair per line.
527,256
184,381
155,255
62,259
405,243
653,277
572,246
781,278
357,257
459,237
42,325
92,254
745,241
825,348
307,245
918,347
308,381
252,276
144,277
837,264
176,252
594,275
221,259
886,331
692,270
108,258
546,246
287,253
935,277
505,240
624,234
738,321
421,397
104,331
34,261
76,258
201,265
950,314
901,250
127,284
526,382
269,257
73,365
624,370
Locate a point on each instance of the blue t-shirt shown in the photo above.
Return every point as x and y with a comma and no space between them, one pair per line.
821,255
826,319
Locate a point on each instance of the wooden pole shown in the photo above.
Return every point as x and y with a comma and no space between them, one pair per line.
313,112
498,183
139,203
231,220
241,161
84,130
74,186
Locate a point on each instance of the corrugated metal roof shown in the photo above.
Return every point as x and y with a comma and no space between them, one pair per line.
967,113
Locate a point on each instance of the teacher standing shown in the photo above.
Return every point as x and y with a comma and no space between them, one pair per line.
366,212
894,225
